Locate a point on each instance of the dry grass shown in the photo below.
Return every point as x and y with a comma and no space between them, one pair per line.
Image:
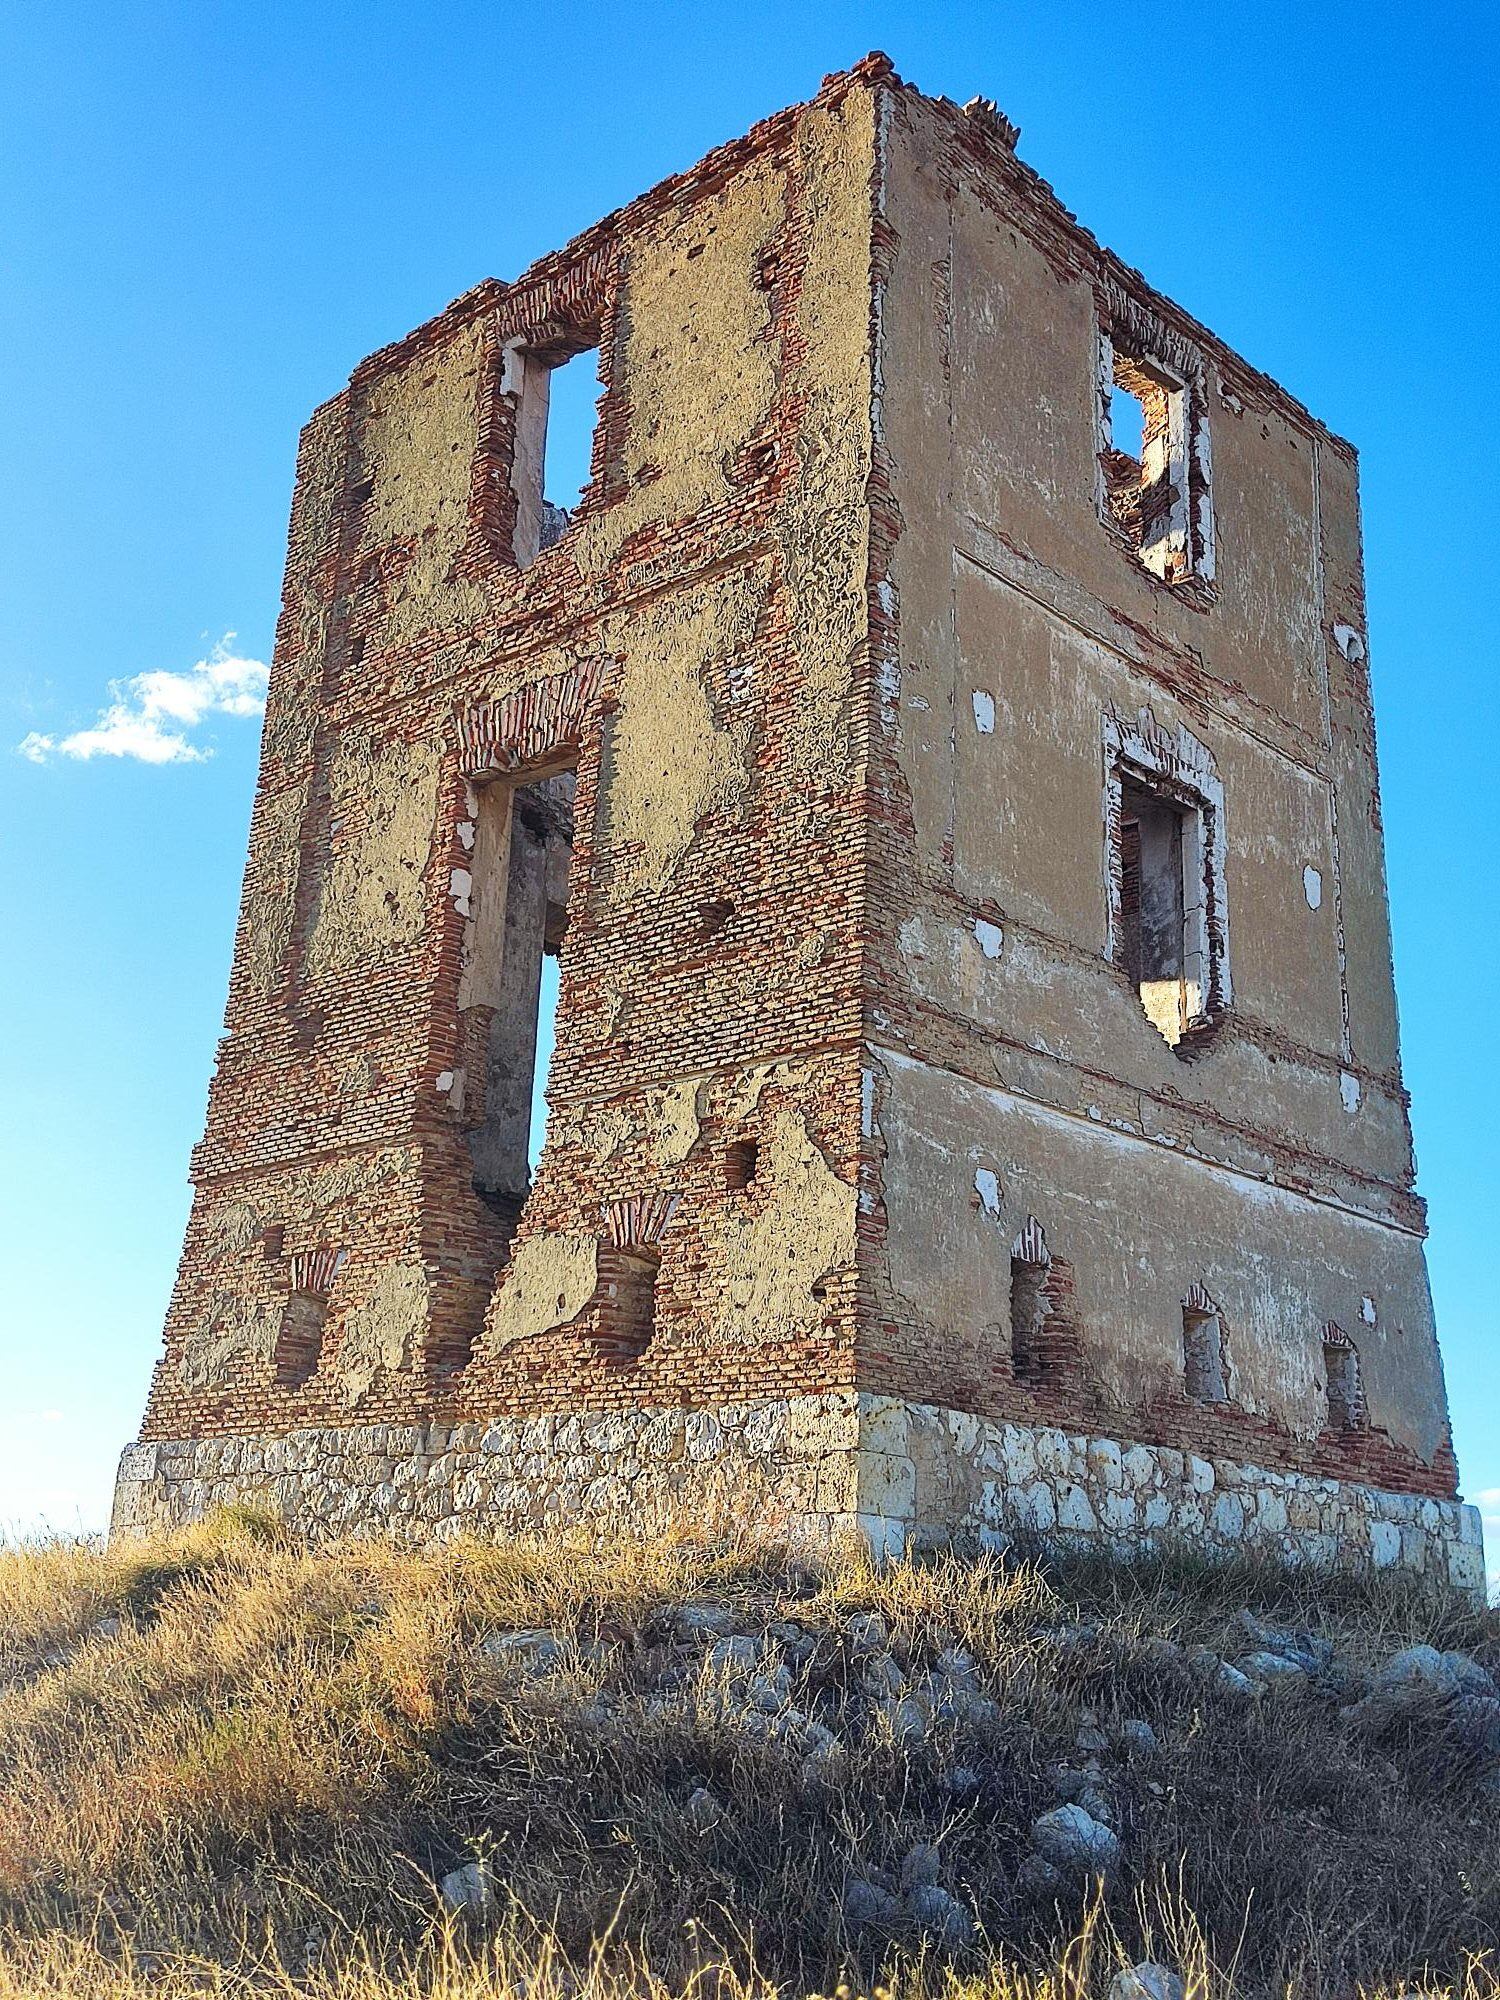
252,1785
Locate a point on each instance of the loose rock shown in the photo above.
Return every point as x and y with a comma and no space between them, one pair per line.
734,1654
868,1632
532,1652
1234,1682
1137,1738
695,1621
867,1903
940,1914
1264,1666
1291,1642
469,1890
1147,1981
1418,1671
1073,1839
921,1866
704,1810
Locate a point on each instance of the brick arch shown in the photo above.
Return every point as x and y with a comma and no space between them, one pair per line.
1030,1246
533,723
629,1261
1046,1347
1343,1385
1206,1367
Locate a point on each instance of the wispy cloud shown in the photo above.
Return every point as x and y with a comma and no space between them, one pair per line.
152,717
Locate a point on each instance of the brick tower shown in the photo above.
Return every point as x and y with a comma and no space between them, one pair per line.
937,751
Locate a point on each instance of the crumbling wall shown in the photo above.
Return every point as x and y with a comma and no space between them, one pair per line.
1017,1072
842,668
691,649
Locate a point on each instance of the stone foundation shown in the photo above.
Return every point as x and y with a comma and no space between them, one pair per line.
901,1474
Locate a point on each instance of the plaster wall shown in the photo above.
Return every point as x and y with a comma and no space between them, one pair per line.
838,647
1015,1073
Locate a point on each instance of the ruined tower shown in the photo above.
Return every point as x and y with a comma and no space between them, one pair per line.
937,751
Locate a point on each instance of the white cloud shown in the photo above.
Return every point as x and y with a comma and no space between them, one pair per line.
150,717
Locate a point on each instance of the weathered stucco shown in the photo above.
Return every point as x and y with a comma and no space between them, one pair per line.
416,438
698,354
231,1330
817,745
384,802
798,1232
381,1332
1273,1166
670,761
548,1282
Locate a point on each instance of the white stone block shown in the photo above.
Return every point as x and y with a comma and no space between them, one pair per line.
1075,1511
887,1485
1140,1465
884,1425
887,1539
1385,1544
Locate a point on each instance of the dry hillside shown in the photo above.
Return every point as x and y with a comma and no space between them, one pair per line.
233,1764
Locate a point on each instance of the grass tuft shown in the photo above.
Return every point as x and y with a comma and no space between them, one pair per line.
231,1764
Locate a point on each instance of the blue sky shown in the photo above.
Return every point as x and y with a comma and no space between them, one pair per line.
212,211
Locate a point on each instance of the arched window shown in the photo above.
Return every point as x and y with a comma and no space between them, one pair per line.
1346,1396
304,1317
1030,1264
629,1267
627,1299
1205,1361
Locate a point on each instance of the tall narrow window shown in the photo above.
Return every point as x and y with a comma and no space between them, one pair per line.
522,852
1030,1265
1145,462
1346,1400
550,987
1028,1311
1160,854
1167,920
1204,1362
1154,475
556,417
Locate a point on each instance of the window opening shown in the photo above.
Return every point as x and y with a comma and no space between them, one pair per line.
299,1342
546,1043
1346,1402
740,1162
1160,863
1030,1270
1145,458
627,1300
1127,423
1204,1366
1167,926
556,417
1028,1313
522,854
